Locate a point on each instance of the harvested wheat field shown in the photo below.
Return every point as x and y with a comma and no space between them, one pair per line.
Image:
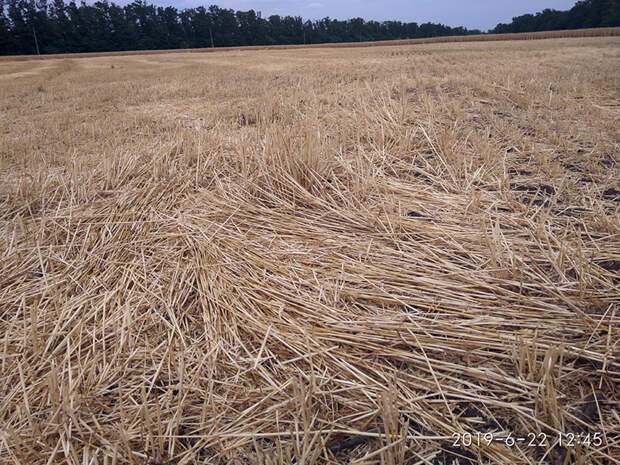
313,256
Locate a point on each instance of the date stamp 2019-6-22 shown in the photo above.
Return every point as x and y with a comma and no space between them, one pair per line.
566,440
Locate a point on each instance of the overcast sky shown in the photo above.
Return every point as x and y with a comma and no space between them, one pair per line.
473,14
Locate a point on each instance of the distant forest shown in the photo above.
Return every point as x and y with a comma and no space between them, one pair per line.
585,14
42,26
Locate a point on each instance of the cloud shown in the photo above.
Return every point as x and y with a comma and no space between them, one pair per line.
481,14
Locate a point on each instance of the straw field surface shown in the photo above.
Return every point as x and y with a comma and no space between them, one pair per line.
377,255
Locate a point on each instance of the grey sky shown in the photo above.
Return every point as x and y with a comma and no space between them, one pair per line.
474,14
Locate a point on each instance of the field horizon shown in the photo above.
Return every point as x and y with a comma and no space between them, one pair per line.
557,34
318,255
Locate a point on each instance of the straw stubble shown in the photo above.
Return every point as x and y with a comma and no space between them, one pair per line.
311,256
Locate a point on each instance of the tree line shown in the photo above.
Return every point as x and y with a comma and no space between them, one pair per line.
585,14
53,26
28,26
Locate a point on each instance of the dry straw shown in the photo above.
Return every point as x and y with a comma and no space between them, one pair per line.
312,256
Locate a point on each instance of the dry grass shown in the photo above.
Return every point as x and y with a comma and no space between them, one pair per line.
267,257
